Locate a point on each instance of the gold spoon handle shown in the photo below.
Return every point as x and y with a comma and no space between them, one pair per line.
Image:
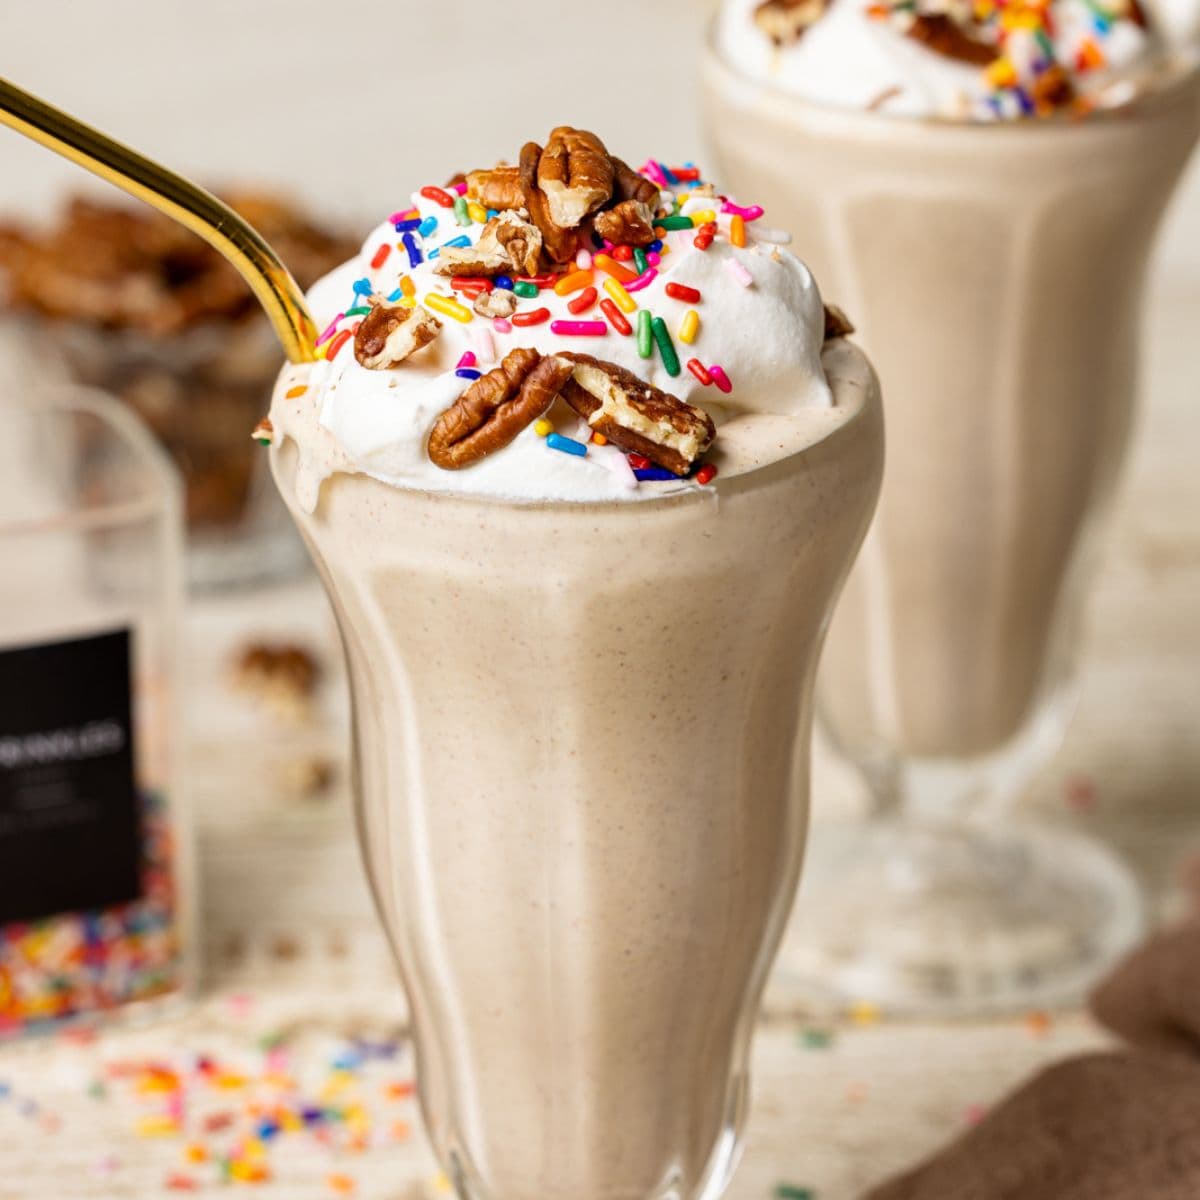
180,200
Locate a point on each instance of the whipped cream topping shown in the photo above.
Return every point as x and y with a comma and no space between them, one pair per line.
761,320
1045,55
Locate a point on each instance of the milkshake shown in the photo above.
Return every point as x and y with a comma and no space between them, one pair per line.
582,593
981,190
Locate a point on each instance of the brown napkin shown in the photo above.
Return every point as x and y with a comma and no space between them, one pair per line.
1153,998
1122,1125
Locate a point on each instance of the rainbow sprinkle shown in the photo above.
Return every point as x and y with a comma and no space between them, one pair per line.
605,274
1034,59
75,964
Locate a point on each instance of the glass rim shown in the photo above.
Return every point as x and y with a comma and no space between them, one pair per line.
754,477
163,497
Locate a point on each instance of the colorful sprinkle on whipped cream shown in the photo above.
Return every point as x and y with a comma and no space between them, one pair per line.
565,327
958,59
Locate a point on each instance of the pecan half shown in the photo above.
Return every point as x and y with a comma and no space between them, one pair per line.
390,334
499,302
498,188
576,175
944,36
629,185
560,244
635,416
630,223
787,21
837,324
507,243
496,407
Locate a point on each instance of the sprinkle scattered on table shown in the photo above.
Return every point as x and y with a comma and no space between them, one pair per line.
863,1012
276,1106
790,1191
1038,1023
1079,792
816,1039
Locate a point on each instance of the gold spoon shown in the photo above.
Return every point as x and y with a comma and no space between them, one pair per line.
180,200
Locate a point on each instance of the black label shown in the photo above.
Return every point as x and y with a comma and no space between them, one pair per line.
69,830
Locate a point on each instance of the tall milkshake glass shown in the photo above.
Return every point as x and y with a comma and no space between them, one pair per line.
582,657
995,273
581,756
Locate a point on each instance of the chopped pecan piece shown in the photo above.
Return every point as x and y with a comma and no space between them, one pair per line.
944,36
498,188
576,175
635,416
496,407
629,185
507,243
1052,88
560,244
390,334
787,21
280,676
837,324
630,223
1132,10
499,302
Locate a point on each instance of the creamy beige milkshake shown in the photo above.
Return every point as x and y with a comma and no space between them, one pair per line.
996,276
979,186
994,269
582,681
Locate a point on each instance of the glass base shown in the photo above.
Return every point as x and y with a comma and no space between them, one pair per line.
718,1171
956,920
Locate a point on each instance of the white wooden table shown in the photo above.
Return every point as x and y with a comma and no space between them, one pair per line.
291,946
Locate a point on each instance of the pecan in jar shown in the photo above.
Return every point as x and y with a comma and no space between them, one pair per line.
496,407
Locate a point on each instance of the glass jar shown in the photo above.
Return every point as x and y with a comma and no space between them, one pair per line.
96,898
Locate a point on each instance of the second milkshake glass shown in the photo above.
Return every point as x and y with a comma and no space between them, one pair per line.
995,273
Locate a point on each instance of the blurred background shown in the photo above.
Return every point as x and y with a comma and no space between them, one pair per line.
344,110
